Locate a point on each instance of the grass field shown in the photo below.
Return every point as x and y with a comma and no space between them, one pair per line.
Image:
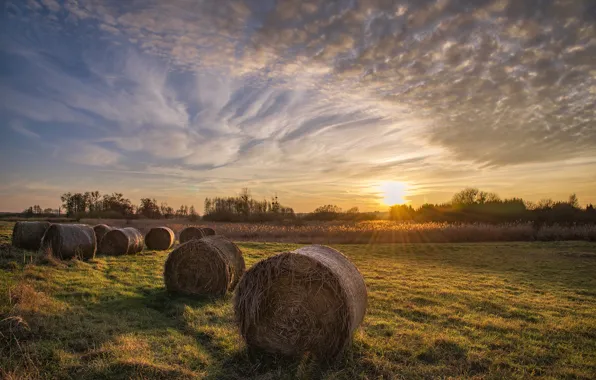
483,310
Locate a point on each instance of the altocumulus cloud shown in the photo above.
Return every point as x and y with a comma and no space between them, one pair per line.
293,92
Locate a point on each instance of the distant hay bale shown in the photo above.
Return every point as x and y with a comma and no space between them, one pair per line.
308,300
191,233
206,267
27,235
160,238
122,241
65,241
100,231
208,231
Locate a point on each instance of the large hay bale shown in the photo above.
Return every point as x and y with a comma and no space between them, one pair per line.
206,267
191,233
208,231
122,241
66,241
308,300
160,238
28,235
100,231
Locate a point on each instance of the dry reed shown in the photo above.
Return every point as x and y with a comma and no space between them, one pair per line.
381,231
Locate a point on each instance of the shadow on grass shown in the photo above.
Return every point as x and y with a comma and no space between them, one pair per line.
130,370
155,311
90,340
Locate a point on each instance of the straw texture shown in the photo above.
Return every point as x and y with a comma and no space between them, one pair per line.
308,300
206,267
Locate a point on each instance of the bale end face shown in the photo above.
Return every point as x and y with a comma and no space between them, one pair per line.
206,267
100,231
292,303
66,241
208,231
191,233
28,235
160,238
122,241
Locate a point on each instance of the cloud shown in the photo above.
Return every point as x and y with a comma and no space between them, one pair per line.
504,82
37,108
83,153
19,127
302,94
52,5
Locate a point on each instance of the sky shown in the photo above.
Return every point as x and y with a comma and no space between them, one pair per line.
315,101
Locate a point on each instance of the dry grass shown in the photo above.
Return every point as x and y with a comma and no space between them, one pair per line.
481,310
376,232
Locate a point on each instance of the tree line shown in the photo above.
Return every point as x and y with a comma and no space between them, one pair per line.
470,205
92,204
244,208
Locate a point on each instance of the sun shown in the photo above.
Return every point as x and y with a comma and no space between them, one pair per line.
394,192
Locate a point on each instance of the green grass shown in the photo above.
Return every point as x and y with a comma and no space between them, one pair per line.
498,310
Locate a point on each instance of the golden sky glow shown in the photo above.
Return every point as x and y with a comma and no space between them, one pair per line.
394,192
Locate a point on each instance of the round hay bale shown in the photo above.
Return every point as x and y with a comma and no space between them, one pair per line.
100,231
206,267
27,235
191,233
66,241
208,231
308,300
122,241
160,238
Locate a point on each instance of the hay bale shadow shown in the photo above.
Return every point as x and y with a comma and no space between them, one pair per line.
255,363
130,370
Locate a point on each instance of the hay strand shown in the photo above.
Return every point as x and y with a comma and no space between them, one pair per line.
122,241
206,267
100,231
65,241
160,238
28,235
191,233
308,300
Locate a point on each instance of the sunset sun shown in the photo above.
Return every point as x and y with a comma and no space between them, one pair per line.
393,192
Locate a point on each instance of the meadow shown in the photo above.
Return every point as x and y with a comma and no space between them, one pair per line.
372,232
439,310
